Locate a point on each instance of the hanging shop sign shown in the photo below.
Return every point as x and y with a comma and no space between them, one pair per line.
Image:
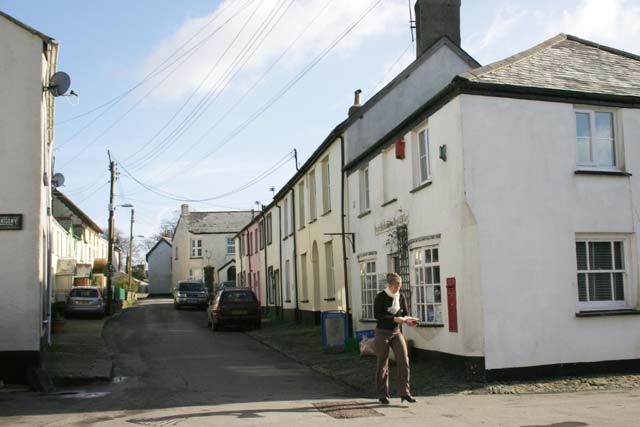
10,221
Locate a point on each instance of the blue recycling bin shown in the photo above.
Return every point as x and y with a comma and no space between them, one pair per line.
334,329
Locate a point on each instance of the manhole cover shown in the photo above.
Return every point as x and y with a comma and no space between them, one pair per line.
348,409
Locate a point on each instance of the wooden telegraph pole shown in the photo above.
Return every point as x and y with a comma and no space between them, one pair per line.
112,170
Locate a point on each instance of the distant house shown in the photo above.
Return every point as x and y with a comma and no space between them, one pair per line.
204,239
159,267
28,59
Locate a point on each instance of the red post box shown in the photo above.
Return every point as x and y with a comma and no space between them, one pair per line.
452,305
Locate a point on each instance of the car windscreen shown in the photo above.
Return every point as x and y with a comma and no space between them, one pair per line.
238,297
191,287
84,293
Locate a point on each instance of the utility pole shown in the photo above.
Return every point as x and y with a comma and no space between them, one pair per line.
130,248
112,170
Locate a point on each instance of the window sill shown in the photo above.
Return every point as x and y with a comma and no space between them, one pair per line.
326,212
329,299
195,257
304,301
601,172
421,186
285,238
301,228
313,220
387,203
368,321
598,313
430,325
365,213
287,301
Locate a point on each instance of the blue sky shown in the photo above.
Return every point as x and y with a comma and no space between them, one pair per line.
211,120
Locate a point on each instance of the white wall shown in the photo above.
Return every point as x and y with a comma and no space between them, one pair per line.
160,269
519,163
436,210
23,159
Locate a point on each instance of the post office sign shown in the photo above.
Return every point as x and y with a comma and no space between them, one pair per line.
10,221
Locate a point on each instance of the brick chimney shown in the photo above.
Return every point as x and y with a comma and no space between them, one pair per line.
356,102
434,19
184,209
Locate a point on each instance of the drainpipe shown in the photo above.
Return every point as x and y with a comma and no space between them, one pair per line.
295,252
344,243
280,261
239,278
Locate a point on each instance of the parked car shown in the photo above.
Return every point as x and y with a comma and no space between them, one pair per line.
234,307
190,293
225,284
85,300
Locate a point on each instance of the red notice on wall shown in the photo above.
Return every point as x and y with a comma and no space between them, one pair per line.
452,304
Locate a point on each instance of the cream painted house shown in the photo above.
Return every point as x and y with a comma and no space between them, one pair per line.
28,59
78,248
507,201
203,239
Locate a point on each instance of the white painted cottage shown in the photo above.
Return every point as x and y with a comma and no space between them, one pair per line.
507,200
159,267
28,59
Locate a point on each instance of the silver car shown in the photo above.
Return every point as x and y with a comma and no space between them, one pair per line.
85,299
190,293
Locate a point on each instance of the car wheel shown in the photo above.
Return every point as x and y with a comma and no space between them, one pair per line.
176,306
215,326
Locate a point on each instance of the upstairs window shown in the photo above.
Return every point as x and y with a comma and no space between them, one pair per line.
596,139
423,155
301,204
196,248
286,217
365,199
269,231
231,246
312,196
326,186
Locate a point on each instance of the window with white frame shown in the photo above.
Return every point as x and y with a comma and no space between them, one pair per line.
602,274
331,270
305,284
249,243
287,280
326,186
286,217
256,237
427,288
262,234
424,170
231,246
269,225
301,204
365,199
596,139
369,288
196,248
312,196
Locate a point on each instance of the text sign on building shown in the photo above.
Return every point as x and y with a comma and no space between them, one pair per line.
10,221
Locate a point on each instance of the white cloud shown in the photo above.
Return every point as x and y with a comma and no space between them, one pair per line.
389,16
615,23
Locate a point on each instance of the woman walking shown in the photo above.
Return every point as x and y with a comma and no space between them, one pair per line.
390,310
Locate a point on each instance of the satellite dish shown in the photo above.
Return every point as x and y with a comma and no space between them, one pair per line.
59,83
57,180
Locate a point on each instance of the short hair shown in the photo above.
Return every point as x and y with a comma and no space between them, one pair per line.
394,278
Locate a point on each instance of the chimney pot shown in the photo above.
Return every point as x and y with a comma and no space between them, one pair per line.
435,19
356,102
184,209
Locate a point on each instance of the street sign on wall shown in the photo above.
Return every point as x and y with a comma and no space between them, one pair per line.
10,221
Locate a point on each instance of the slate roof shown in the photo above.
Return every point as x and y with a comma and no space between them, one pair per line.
45,38
217,222
568,63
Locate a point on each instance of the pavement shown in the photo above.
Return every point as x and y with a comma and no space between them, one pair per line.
78,355
302,343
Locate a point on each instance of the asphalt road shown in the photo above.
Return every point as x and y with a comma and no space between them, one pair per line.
171,370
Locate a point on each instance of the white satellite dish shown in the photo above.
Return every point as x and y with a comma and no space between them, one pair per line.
59,83
57,180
